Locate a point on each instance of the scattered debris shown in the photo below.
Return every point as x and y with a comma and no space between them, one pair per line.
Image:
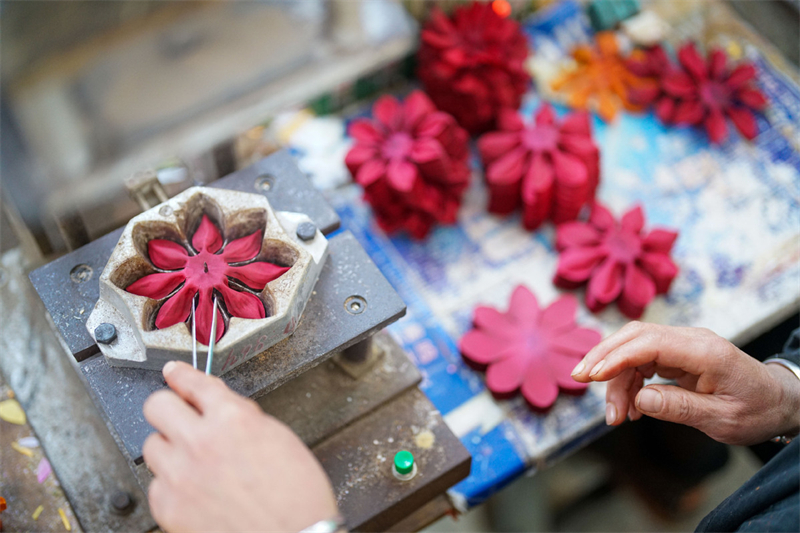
37,512
64,519
22,450
11,411
43,470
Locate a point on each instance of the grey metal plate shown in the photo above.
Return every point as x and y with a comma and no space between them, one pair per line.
308,406
69,301
326,328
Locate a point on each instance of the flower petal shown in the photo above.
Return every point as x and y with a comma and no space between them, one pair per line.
576,342
661,268
689,112
176,309
505,376
716,63
242,304
509,120
576,234
538,387
244,248
659,240
495,144
205,316
560,371
741,75
537,191
256,275
415,107
559,314
545,116
401,174
158,285
388,112
481,348
577,264
606,282
639,289
744,121
523,306
167,255
569,170
577,123
207,236
692,61
426,150
370,172
633,220
665,109
601,217
357,156
715,126
679,84
509,168
752,98
364,130
494,323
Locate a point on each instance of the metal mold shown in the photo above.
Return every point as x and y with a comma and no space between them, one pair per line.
140,344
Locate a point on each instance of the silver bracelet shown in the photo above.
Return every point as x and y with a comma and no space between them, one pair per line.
327,526
794,369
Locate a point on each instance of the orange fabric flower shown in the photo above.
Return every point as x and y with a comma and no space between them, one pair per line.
601,82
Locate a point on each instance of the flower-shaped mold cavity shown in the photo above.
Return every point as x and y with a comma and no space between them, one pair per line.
201,245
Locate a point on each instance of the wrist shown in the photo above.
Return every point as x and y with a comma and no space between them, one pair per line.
788,423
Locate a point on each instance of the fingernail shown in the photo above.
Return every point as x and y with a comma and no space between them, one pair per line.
597,368
169,367
578,369
650,400
611,413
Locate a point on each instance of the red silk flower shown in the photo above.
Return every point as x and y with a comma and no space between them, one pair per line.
652,65
705,91
411,160
202,270
618,260
552,168
472,64
529,348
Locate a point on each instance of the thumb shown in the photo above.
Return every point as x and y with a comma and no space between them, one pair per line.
674,404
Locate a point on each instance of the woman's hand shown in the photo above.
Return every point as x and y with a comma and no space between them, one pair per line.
720,390
221,464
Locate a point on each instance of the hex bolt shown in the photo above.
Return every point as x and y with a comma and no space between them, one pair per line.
105,333
355,305
306,231
265,182
80,273
121,502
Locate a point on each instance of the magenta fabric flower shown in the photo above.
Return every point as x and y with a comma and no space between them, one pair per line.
529,349
206,268
550,167
411,160
617,259
472,64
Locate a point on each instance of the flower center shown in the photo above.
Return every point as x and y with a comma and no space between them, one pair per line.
624,246
715,94
205,270
398,145
540,138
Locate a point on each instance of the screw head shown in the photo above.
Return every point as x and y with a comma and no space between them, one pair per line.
265,182
80,273
105,333
121,502
355,305
404,462
306,231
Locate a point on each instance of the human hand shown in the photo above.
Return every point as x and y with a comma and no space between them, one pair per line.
720,390
221,464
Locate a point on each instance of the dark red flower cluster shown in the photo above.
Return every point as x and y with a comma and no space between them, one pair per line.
551,168
618,260
529,348
699,91
412,161
204,272
472,64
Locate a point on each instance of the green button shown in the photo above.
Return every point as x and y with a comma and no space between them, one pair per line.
403,462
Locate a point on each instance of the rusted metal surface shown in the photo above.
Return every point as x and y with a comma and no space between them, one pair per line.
325,328
326,399
69,286
85,458
359,460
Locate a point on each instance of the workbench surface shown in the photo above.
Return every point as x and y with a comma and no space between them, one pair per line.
737,207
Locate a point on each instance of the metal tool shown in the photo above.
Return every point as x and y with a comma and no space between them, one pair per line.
194,333
212,340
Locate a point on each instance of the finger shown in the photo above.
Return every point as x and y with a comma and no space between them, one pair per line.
674,404
170,415
638,382
689,349
596,354
200,390
157,453
617,397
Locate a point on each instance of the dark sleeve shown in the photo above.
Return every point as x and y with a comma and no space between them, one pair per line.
769,501
791,350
